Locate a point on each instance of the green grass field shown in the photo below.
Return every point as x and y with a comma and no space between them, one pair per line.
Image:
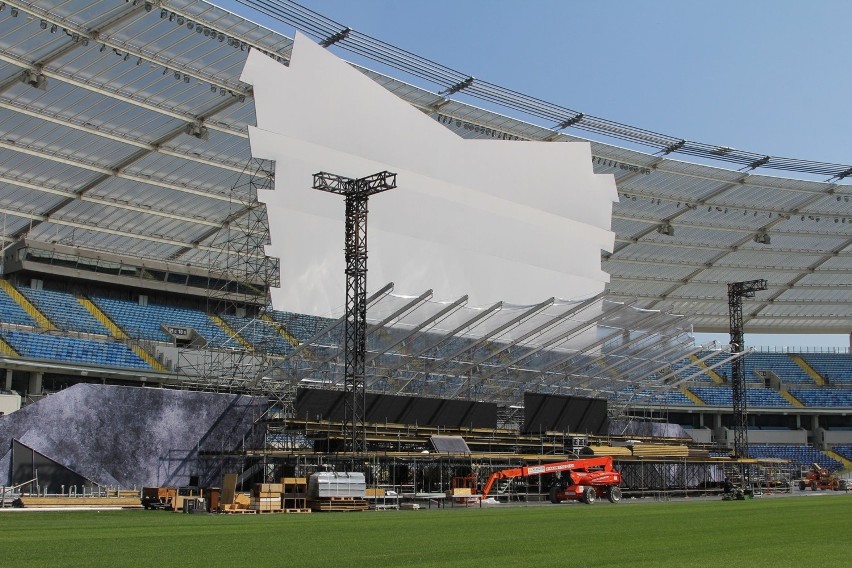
801,531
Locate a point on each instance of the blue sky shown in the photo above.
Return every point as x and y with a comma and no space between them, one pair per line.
764,76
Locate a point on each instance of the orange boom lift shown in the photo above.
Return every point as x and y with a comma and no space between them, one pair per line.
586,479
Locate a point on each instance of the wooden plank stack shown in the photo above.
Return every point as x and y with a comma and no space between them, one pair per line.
338,504
266,497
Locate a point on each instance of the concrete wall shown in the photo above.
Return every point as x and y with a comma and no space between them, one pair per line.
726,436
827,438
9,403
700,435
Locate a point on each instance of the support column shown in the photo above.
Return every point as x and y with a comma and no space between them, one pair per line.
717,427
9,374
35,386
814,426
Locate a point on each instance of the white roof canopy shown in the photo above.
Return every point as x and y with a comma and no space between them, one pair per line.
123,127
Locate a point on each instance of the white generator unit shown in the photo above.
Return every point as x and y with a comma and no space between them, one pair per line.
336,484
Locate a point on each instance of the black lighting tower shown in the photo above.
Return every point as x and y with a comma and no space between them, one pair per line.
736,292
357,192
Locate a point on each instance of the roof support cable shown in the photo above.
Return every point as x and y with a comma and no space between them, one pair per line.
322,28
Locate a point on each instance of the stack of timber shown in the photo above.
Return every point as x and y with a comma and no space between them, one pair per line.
639,450
266,498
239,505
338,504
289,496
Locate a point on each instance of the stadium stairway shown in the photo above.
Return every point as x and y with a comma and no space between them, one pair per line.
26,305
808,369
118,333
835,456
7,350
288,337
791,399
231,332
692,396
713,374
99,315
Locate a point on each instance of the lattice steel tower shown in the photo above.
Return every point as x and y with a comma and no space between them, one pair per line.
357,192
736,292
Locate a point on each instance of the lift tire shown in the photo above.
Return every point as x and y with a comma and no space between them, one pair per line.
589,495
553,497
802,486
614,494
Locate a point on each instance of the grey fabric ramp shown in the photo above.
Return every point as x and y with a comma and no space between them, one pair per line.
650,429
134,436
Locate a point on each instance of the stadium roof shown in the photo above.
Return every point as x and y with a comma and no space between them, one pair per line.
446,349
123,128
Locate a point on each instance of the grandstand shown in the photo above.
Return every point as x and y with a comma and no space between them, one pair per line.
134,254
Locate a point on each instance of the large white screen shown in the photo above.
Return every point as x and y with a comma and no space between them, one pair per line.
495,219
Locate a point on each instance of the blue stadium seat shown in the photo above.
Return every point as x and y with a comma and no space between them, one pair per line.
755,396
801,455
844,450
12,312
823,396
837,367
145,321
64,311
73,350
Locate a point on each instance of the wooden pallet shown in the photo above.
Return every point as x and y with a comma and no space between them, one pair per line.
338,504
237,511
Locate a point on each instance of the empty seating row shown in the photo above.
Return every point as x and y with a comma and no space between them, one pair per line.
146,321
73,350
780,364
823,396
672,397
755,396
803,456
261,334
301,326
836,368
844,450
11,312
64,311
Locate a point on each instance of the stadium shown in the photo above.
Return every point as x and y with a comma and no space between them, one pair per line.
169,319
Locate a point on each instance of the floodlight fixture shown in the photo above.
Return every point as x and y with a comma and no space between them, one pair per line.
198,130
34,78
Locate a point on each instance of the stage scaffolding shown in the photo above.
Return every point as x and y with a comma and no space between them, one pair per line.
422,346
416,473
241,277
